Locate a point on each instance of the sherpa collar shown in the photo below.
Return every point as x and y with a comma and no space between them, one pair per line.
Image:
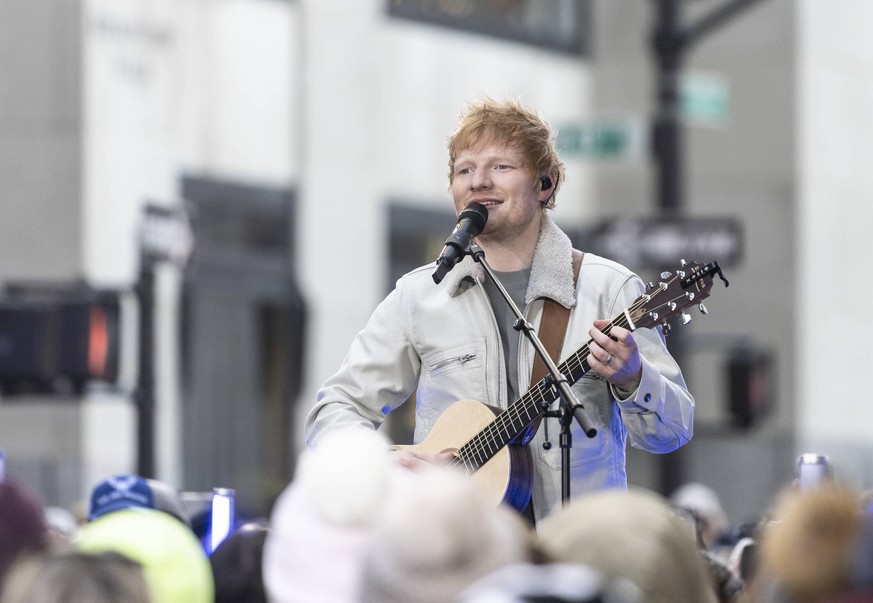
551,273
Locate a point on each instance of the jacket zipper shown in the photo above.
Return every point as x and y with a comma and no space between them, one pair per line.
461,360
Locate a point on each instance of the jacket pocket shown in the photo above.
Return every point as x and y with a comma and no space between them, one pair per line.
451,373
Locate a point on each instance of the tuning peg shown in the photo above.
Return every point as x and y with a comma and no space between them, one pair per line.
666,274
702,309
686,318
682,262
666,328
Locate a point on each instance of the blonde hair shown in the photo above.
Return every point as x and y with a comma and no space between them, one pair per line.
808,547
508,123
75,577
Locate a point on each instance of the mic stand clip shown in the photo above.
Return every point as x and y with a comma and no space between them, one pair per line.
570,406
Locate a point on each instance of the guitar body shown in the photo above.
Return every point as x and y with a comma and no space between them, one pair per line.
507,477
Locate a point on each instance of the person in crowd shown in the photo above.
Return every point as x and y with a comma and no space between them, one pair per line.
436,535
22,524
74,577
702,502
714,536
729,584
817,547
174,563
127,491
456,340
635,535
237,565
355,526
550,582
321,521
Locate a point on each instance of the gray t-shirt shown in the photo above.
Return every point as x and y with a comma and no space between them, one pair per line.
515,284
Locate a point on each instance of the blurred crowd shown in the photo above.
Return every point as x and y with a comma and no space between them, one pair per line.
355,527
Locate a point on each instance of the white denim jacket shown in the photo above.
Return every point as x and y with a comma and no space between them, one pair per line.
442,342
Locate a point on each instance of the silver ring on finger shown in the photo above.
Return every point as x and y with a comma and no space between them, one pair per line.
608,359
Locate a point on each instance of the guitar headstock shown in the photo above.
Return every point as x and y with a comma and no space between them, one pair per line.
676,291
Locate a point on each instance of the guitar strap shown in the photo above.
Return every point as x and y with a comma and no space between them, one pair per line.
554,325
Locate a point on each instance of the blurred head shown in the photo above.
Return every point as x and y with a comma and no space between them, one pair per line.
635,535
811,546
128,491
22,524
175,566
237,565
436,536
509,124
73,577
319,523
552,583
704,505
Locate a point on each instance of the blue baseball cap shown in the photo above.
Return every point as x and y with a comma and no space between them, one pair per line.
125,491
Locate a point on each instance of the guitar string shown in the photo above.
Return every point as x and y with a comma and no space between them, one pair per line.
578,360
474,454
480,449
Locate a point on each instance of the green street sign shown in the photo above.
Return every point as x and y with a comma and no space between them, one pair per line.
705,98
606,138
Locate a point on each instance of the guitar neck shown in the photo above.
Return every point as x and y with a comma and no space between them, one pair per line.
521,413
689,285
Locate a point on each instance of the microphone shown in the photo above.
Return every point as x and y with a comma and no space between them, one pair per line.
471,221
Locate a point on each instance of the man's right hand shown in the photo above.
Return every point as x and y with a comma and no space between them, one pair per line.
419,460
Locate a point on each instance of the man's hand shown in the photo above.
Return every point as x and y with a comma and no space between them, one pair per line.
419,460
615,356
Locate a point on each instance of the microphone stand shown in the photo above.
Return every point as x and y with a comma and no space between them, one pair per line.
571,408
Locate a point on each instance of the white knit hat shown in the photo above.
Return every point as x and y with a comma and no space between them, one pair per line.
437,536
320,522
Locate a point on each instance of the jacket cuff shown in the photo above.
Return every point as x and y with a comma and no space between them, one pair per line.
645,397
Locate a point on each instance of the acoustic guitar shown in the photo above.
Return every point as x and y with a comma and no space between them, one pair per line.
485,441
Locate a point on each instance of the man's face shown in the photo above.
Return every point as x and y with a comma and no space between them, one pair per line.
496,177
